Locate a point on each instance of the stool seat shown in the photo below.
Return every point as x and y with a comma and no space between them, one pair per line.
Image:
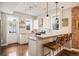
52,45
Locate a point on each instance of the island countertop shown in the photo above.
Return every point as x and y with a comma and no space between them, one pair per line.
47,35
42,36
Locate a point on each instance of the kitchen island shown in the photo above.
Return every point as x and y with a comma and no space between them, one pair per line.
36,44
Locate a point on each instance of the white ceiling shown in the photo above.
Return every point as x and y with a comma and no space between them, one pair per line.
37,8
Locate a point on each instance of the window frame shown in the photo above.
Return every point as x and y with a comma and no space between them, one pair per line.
31,24
52,23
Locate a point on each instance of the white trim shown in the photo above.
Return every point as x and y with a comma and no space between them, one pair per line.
4,44
75,49
72,49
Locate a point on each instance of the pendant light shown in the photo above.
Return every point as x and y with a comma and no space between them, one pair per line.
62,11
56,10
47,11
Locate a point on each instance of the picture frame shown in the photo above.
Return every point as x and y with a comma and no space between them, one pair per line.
64,22
77,24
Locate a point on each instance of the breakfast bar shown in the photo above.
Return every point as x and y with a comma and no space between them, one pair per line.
36,44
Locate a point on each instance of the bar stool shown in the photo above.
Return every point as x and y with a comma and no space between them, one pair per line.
52,46
46,46
55,44
70,36
66,37
61,40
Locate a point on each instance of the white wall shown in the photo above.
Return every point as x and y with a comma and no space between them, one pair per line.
67,14
3,29
67,29
35,24
62,30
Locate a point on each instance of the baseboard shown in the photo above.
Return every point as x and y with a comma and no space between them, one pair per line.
14,43
75,49
23,43
72,49
18,43
4,44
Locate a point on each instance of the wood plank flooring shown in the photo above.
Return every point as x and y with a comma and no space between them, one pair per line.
15,50
22,50
65,52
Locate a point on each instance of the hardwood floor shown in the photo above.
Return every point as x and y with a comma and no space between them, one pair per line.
15,50
65,52
22,50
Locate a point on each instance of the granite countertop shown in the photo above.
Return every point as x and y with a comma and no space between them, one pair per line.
43,36
47,35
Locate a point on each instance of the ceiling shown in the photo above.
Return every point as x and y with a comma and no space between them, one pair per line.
33,8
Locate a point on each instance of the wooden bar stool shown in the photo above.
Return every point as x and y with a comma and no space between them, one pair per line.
70,36
66,37
58,43
52,46
46,46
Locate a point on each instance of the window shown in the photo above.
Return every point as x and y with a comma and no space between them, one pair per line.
55,23
12,22
28,24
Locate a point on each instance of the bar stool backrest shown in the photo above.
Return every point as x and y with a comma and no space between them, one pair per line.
66,37
70,36
60,40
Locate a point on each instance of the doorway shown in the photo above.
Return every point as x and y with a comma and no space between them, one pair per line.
12,29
